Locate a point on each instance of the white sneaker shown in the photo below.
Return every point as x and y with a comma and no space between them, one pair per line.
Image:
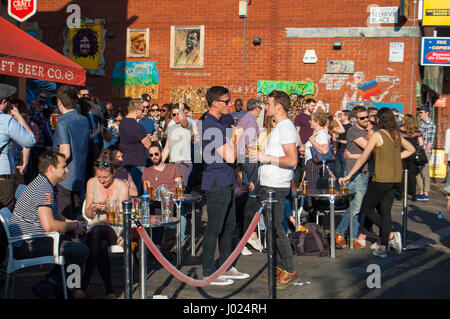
396,243
233,273
222,281
246,251
255,243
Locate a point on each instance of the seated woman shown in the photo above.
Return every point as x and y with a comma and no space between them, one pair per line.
101,188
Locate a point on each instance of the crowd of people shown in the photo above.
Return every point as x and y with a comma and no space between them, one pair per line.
90,155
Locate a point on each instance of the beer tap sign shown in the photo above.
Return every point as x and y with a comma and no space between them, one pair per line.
21,10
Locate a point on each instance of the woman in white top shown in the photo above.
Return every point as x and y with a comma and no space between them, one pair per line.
320,140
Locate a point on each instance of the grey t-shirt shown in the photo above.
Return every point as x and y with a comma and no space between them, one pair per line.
354,133
179,139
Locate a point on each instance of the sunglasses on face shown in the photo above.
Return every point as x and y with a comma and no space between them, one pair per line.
156,110
153,154
174,114
362,118
224,101
102,163
164,110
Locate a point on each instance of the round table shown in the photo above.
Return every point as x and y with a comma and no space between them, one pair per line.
331,198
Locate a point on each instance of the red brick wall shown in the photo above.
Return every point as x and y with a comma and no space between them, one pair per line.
277,58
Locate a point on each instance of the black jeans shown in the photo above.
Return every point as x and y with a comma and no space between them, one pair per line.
221,226
379,196
283,251
409,163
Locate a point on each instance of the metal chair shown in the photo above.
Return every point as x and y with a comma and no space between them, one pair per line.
11,265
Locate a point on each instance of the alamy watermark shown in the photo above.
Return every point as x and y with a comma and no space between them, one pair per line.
374,279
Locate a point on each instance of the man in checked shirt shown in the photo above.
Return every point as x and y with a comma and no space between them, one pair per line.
428,129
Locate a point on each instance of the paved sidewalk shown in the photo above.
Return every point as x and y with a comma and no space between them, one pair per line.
422,273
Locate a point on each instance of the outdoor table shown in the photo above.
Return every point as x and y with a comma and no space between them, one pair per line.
154,221
178,202
331,198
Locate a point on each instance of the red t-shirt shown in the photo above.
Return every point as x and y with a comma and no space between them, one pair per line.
302,121
166,176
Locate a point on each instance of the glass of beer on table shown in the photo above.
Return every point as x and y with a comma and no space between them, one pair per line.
179,190
111,208
304,187
332,185
149,188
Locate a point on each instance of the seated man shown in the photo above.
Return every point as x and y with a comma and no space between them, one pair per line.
36,211
161,173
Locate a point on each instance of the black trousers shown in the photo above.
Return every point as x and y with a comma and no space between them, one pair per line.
379,197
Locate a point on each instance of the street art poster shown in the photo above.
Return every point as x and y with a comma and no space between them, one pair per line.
340,67
378,105
193,96
138,41
369,89
86,45
132,79
289,87
187,47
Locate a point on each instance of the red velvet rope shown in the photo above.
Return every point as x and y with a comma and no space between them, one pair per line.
188,280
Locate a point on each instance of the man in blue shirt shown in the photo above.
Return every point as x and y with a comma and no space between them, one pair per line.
240,112
71,139
12,127
219,156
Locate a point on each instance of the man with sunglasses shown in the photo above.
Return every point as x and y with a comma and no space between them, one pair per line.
219,155
356,143
134,141
428,129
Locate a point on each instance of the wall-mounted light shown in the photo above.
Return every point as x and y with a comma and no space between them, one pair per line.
337,45
257,41
110,34
243,8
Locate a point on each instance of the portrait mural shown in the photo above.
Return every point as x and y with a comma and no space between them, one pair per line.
187,47
138,43
86,45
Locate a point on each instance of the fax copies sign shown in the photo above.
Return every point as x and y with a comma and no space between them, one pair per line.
21,10
435,51
383,15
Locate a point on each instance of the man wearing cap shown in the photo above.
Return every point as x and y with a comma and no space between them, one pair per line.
428,129
12,127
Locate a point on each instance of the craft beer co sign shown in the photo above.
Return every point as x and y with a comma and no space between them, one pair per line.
21,10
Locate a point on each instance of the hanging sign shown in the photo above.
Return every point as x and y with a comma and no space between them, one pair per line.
21,10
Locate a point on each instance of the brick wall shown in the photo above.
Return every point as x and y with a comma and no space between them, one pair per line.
277,58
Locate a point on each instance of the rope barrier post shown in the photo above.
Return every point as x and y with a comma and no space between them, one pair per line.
270,245
295,194
332,228
178,204
405,206
128,285
142,268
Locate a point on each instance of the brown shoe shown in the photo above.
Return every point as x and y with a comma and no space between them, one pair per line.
340,240
78,294
358,244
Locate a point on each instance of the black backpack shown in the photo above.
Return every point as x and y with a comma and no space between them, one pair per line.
312,242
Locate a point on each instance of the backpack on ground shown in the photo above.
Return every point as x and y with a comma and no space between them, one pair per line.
312,242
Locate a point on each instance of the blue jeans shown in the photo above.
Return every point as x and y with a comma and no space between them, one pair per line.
357,185
339,167
136,175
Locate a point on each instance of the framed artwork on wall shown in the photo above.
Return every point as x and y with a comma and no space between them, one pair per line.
187,47
138,43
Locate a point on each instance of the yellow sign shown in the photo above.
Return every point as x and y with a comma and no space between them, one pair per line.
85,45
436,13
437,166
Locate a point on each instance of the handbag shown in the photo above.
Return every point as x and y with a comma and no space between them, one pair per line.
421,158
319,157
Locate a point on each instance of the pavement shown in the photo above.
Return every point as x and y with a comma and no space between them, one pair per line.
423,272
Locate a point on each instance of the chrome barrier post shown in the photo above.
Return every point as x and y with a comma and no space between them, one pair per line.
297,218
143,267
128,285
270,244
405,212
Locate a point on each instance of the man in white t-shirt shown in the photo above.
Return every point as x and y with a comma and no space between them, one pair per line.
278,162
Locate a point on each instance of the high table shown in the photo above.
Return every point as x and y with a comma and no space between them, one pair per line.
178,202
331,198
